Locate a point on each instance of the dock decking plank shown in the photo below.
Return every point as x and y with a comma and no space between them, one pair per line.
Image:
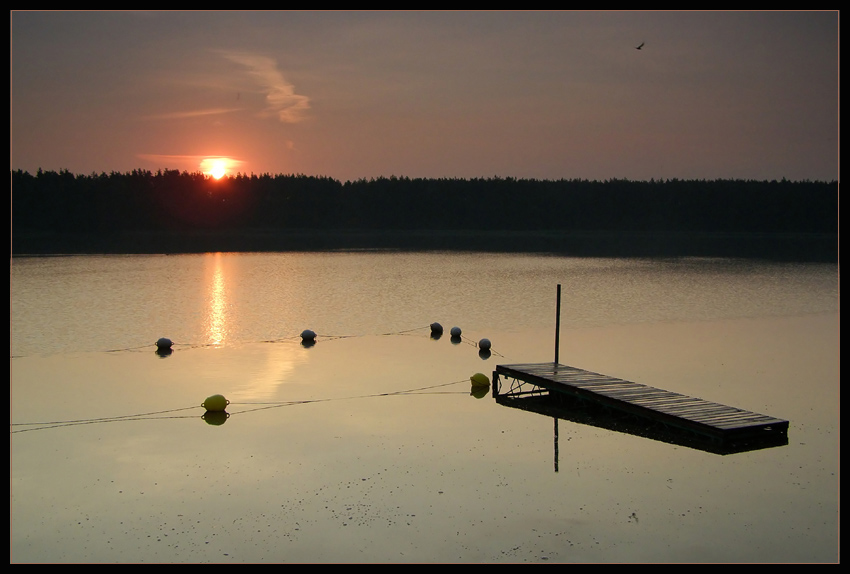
717,421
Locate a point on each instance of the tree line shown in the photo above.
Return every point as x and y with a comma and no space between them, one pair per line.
144,200
100,205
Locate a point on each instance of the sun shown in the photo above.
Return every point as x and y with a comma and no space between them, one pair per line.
217,167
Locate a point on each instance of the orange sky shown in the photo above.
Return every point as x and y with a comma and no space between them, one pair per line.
352,95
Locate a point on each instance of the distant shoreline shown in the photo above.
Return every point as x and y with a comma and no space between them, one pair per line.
803,247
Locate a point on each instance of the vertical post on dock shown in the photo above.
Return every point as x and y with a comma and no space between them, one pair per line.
558,324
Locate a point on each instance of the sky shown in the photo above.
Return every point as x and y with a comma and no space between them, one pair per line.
354,95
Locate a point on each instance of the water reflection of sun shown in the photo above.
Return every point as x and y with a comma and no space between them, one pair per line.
216,320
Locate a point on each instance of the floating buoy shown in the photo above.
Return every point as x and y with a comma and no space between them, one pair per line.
480,380
308,335
436,329
164,343
215,403
484,344
455,331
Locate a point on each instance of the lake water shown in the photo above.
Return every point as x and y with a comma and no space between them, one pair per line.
370,447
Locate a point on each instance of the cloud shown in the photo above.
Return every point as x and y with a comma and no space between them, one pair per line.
188,162
281,98
191,114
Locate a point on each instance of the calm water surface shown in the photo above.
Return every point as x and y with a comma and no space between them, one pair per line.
370,447
68,304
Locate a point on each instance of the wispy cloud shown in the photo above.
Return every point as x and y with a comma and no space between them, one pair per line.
188,162
281,99
191,114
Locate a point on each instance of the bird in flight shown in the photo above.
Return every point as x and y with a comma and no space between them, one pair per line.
641,46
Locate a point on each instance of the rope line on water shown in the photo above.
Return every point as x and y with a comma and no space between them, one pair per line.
264,406
138,416
323,336
291,338
155,415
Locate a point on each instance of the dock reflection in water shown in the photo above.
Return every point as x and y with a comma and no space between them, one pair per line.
560,406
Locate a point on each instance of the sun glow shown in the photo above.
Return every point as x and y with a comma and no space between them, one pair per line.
217,167
218,170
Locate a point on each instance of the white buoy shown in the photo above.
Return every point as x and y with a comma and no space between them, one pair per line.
455,331
308,335
484,344
164,343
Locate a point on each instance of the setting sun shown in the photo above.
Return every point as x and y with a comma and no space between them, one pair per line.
218,170
217,167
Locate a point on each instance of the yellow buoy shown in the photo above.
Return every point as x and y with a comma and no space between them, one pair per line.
215,403
480,380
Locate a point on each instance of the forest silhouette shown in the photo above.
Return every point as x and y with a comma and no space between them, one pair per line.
169,211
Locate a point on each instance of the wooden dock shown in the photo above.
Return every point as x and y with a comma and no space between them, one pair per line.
720,424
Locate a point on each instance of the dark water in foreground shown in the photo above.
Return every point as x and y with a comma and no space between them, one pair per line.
370,447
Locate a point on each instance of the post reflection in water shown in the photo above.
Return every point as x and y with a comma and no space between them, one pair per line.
217,318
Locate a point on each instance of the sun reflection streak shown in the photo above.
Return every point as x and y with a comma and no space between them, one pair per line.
217,318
